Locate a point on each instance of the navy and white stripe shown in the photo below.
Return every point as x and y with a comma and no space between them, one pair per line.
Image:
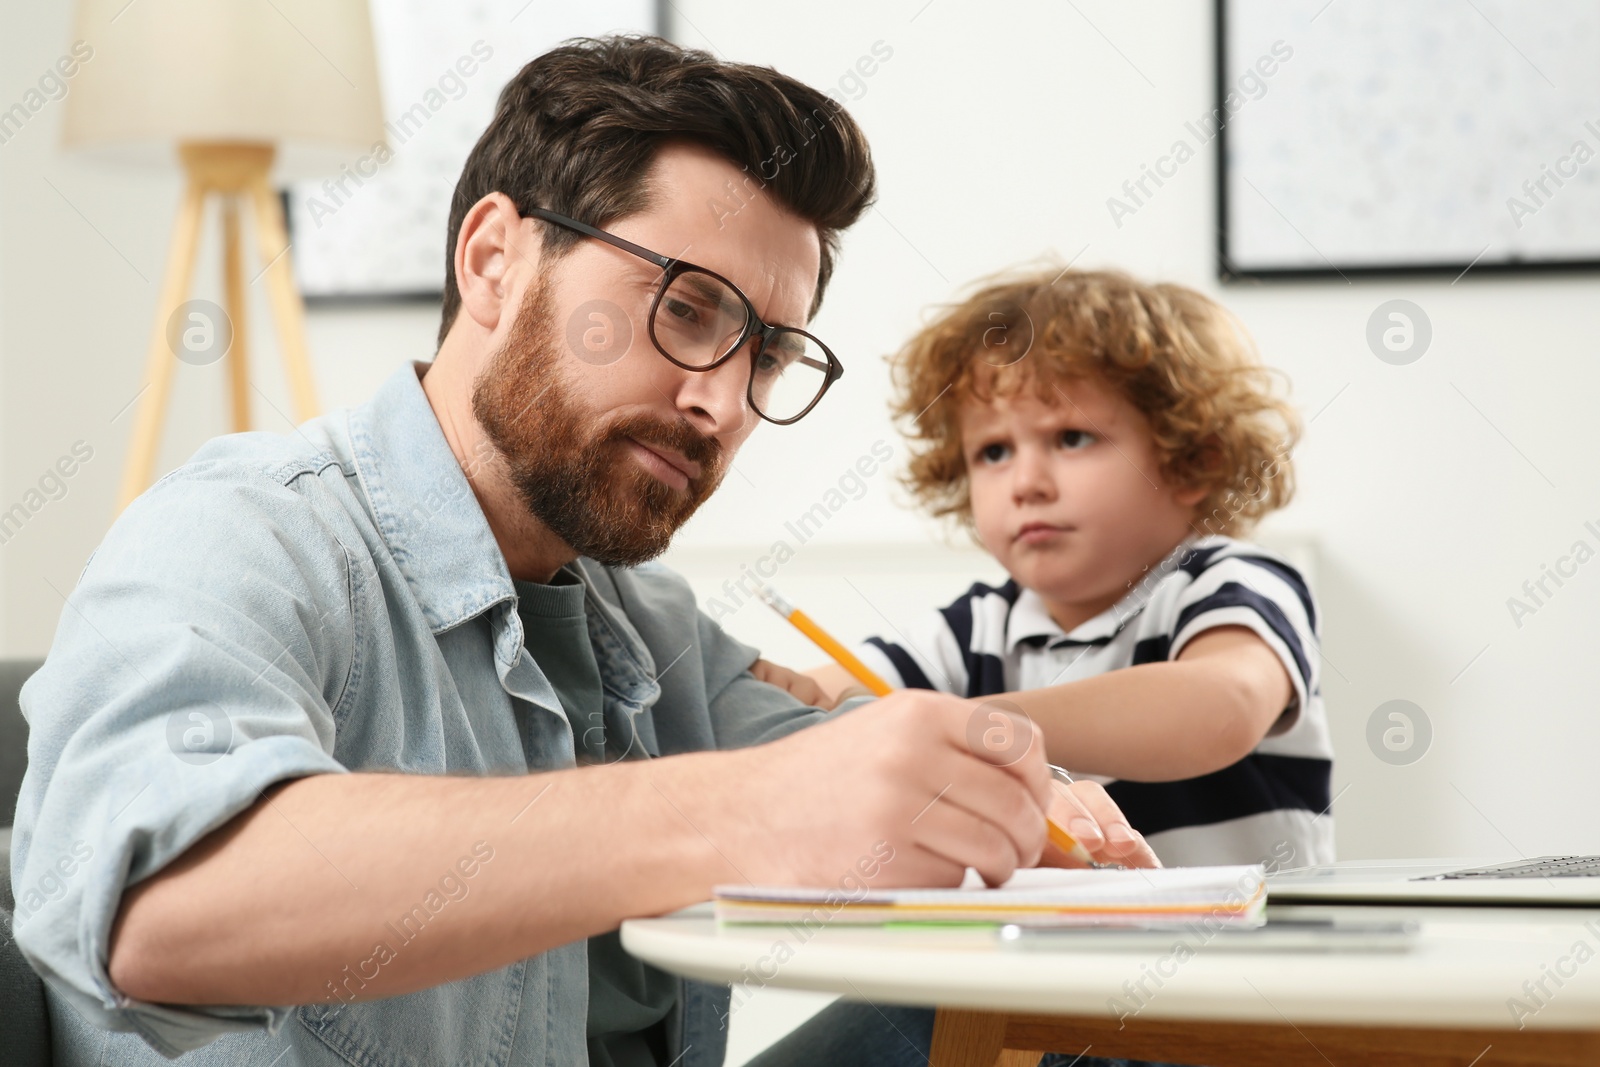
1271,805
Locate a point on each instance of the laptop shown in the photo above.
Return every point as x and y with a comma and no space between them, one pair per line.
1551,880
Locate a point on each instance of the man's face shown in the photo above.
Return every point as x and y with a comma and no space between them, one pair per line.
1069,495
608,444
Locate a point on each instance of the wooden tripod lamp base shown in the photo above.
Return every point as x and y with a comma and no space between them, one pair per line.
235,171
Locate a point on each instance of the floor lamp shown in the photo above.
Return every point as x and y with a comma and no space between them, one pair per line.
236,88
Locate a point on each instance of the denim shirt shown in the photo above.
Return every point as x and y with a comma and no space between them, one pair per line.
318,602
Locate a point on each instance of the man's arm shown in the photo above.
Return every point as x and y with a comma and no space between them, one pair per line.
275,904
280,900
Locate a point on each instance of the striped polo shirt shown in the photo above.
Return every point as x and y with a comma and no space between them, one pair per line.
1272,806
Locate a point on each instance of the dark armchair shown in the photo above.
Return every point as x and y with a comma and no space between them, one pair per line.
24,1020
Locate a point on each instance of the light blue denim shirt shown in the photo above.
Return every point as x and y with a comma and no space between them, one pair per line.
318,602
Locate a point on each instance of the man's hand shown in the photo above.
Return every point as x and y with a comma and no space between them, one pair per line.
802,688
902,777
1086,812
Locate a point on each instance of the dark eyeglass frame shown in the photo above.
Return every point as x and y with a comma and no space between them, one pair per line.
671,270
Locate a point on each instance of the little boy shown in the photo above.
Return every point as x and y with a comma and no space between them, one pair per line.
1106,440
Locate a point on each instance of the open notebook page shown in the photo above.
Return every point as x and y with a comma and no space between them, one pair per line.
1039,896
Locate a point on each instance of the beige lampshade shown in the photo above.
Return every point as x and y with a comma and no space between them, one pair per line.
300,74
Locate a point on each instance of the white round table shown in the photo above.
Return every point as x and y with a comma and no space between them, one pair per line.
1516,985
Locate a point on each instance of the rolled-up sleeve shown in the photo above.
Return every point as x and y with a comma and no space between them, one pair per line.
201,658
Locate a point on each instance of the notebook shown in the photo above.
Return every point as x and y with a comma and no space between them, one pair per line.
1044,896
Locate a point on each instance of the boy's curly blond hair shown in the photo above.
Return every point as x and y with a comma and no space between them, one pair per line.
1181,359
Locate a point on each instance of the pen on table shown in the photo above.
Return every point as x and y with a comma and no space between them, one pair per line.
846,659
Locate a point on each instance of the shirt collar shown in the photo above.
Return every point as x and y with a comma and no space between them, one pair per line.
437,534
1030,620
423,504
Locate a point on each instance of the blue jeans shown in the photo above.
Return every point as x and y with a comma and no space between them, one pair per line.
850,1033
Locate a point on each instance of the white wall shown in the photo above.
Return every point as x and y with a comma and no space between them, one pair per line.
999,131
82,253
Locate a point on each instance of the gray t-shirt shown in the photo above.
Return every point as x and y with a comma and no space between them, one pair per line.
628,999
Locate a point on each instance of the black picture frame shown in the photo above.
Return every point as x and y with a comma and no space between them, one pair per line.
1230,272
660,16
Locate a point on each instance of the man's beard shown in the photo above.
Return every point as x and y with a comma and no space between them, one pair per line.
574,471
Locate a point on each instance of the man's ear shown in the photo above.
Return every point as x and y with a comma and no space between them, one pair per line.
493,246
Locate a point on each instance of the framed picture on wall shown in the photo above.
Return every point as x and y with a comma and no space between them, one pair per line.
1425,137
376,230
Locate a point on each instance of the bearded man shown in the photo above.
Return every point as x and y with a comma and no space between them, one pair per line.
362,740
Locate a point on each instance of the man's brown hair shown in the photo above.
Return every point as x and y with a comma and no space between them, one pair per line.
1178,357
576,131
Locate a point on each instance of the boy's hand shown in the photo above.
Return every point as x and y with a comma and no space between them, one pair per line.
1088,813
797,685
837,682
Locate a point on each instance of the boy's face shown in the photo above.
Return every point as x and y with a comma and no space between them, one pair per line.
1069,496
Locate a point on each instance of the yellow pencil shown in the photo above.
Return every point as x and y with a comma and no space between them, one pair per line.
825,641
864,674
1065,841
1068,844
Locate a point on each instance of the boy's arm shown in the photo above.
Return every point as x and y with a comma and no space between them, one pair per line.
802,686
832,679
1190,716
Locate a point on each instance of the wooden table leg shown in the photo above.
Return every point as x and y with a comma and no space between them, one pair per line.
1234,1044
963,1038
974,1039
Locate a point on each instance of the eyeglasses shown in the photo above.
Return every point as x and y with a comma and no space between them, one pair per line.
699,320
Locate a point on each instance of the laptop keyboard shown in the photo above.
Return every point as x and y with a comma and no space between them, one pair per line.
1543,867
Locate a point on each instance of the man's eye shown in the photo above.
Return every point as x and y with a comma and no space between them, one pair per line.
679,309
1076,439
993,453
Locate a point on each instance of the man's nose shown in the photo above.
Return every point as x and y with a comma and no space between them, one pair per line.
716,401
